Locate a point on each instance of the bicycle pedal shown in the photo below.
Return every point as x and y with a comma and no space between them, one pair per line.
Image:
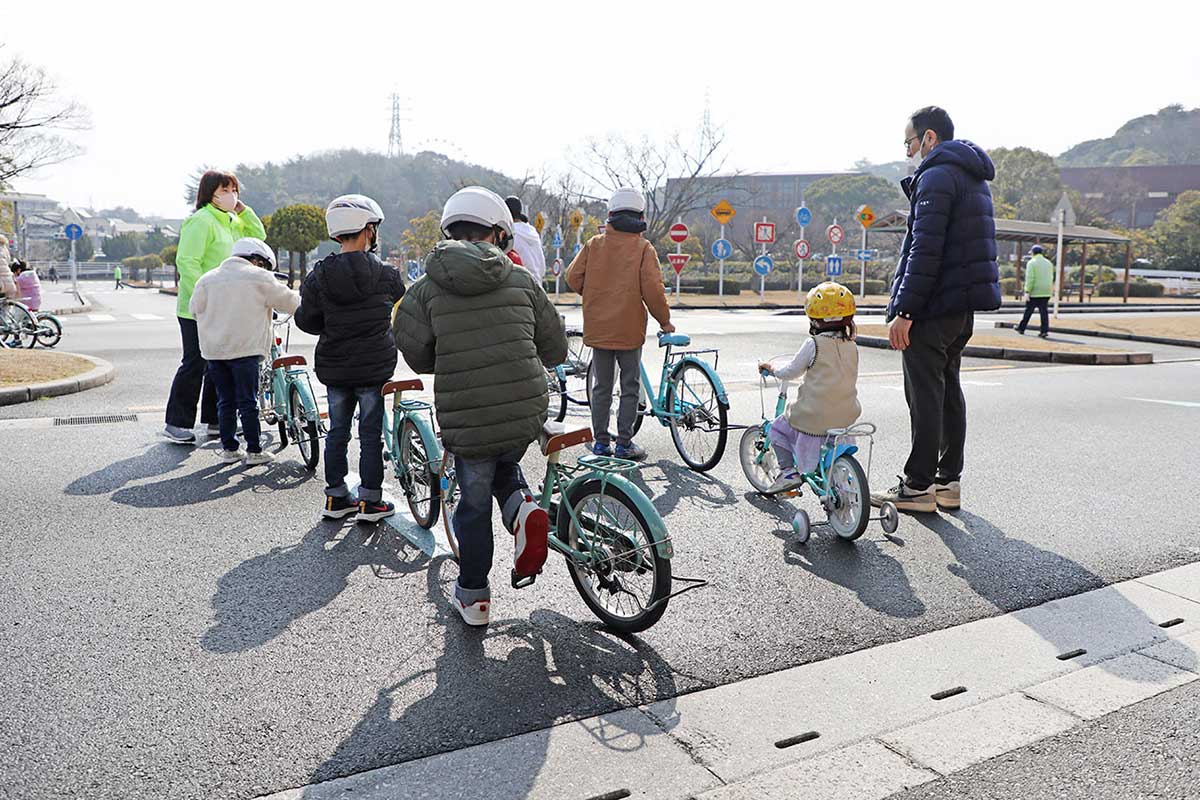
521,581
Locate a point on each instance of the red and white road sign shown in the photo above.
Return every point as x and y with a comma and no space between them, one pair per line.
802,248
556,267
764,233
678,233
678,261
835,234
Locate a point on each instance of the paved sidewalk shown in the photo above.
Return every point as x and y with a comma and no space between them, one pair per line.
865,725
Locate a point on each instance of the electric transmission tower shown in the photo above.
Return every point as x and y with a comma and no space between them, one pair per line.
395,147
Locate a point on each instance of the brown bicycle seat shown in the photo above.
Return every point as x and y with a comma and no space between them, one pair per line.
413,385
288,361
557,436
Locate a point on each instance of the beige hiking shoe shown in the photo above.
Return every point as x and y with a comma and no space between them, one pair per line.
948,495
906,498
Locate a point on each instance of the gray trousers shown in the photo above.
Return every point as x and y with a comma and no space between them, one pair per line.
603,363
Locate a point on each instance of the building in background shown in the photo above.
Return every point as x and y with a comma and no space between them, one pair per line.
1131,197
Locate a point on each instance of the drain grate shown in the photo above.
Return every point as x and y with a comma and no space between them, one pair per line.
100,419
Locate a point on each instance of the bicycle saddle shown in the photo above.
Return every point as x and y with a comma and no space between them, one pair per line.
674,340
557,436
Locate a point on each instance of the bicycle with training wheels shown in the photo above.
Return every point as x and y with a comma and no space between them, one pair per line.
691,400
615,543
839,481
18,325
286,397
412,447
567,382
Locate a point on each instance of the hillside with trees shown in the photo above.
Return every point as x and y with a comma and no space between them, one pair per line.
1172,136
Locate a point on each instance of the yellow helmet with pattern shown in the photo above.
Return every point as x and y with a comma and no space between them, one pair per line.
829,300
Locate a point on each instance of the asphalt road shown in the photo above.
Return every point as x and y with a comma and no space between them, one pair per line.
178,628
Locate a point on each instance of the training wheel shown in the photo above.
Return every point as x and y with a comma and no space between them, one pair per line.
889,517
800,526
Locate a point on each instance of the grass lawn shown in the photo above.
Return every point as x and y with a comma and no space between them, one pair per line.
22,367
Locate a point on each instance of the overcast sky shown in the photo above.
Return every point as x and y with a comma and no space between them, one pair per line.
172,85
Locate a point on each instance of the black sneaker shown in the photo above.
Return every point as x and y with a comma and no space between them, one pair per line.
339,507
374,510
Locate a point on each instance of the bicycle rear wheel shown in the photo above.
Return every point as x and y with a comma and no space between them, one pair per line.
419,482
21,326
624,580
49,330
448,497
304,431
699,420
851,501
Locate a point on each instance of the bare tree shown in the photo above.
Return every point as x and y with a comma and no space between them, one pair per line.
674,175
30,112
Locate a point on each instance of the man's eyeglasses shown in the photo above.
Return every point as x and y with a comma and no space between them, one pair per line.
912,139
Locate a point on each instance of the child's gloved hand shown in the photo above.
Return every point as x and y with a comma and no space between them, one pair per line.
766,369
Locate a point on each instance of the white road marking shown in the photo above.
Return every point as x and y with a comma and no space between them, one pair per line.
146,317
1183,403
101,318
980,383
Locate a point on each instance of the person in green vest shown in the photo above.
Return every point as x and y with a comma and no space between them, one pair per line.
1039,285
205,240
117,275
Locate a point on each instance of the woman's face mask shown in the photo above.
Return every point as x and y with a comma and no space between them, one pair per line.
225,199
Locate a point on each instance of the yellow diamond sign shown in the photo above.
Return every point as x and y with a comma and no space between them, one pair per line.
723,212
576,218
866,217
539,221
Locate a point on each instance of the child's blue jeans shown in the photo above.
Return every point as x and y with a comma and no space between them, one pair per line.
236,382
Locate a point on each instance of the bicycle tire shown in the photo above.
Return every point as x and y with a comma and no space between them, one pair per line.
448,498
417,473
22,327
759,473
709,409
642,556
306,434
556,387
849,526
49,330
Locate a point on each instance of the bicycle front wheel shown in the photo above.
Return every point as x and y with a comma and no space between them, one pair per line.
699,420
49,330
420,484
623,579
448,491
304,431
21,326
851,501
758,459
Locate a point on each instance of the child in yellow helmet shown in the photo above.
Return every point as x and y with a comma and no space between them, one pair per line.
828,396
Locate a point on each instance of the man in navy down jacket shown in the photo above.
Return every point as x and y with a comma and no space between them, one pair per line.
947,271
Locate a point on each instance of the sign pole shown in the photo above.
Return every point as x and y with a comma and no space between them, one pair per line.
1058,270
678,250
74,272
721,271
762,279
862,267
557,256
800,273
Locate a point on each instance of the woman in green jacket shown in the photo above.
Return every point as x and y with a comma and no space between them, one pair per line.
205,240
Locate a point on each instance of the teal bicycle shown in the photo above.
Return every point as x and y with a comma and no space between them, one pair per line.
615,543
839,481
286,398
412,447
691,400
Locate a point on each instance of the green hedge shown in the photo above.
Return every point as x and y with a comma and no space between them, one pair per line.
1010,286
1137,289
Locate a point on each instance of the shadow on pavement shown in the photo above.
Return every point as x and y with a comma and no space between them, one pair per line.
258,599
513,677
679,482
158,458
213,482
1012,574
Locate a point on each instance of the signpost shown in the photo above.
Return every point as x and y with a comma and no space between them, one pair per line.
764,234
866,218
722,212
539,222
803,251
74,232
678,234
833,266
557,243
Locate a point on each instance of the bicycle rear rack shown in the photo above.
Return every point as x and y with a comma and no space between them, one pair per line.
608,464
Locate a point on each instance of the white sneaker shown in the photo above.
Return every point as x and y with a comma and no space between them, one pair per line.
254,459
231,456
179,435
477,613
905,498
785,482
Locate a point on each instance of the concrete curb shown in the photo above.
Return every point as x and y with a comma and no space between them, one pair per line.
1129,337
102,373
1041,356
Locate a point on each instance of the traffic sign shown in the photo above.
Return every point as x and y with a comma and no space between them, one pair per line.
803,216
678,233
577,248
802,249
576,218
833,266
722,249
764,233
866,217
835,233
557,241
539,221
556,267
723,212
74,232
414,270
764,264
866,255
678,261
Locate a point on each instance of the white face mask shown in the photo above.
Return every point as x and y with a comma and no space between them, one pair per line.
916,158
226,201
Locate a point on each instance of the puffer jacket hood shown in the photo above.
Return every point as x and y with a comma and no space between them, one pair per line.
967,155
467,268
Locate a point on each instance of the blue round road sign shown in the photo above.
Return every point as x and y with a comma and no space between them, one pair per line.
74,232
763,265
803,215
414,270
722,249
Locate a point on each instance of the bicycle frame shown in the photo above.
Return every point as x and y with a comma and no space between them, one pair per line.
421,414
282,379
656,404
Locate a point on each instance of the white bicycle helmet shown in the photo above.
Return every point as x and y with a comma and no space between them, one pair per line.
350,213
250,246
479,205
627,199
